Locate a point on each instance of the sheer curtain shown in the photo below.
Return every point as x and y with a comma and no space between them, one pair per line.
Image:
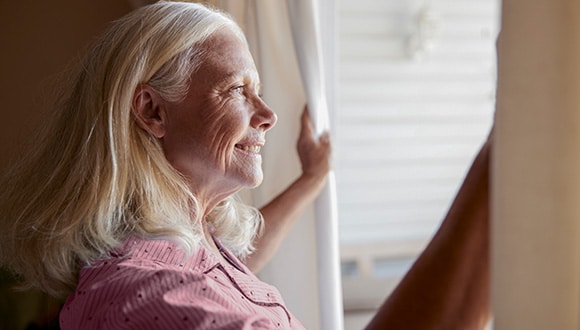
536,170
306,268
315,58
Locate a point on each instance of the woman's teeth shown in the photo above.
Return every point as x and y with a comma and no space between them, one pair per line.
252,149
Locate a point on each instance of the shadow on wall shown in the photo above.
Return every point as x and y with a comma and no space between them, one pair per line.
39,39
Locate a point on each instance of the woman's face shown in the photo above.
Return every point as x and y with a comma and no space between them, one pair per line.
214,135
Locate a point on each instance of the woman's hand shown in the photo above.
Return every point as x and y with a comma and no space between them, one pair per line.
314,152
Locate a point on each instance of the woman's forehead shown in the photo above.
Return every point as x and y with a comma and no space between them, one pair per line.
226,57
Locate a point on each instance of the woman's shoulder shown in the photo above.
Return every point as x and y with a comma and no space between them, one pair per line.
154,284
139,258
138,274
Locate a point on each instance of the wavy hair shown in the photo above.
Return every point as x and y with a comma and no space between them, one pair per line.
94,176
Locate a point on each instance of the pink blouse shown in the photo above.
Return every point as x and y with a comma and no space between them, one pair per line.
149,284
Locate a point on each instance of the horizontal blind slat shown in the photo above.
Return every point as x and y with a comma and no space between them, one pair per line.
406,130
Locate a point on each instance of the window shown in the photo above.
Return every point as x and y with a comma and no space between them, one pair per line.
416,101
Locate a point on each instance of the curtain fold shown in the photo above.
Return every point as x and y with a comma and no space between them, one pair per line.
305,22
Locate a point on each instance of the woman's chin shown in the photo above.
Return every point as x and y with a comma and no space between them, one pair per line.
256,180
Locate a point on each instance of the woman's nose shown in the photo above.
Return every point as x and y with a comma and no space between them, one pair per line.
264,118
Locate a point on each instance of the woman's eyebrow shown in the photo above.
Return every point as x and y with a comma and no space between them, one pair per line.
240,74
245,75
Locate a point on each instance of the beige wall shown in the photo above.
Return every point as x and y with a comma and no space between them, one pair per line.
38,39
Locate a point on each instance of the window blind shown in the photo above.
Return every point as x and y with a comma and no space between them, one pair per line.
416,100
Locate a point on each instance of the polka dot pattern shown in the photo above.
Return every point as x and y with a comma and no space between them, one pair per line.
152,284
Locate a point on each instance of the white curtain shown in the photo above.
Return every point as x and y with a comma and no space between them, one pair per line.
305,20
306,268
536,168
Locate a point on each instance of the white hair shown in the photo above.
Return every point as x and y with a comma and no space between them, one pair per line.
94,177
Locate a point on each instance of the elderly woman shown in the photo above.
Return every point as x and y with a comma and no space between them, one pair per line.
127,203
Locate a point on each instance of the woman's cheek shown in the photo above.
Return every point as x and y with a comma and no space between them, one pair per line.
224,124
224,139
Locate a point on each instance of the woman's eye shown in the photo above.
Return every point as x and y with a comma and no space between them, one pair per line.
238,89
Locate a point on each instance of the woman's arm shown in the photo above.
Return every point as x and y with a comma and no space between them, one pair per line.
283,211
448,286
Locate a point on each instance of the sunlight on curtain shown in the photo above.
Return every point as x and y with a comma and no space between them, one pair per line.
305,21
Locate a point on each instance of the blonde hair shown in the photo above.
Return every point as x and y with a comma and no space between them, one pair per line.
94,176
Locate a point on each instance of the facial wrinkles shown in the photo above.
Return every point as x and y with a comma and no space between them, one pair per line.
225,114
222,139
227,120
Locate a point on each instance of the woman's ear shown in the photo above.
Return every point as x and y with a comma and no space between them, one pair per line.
148,108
